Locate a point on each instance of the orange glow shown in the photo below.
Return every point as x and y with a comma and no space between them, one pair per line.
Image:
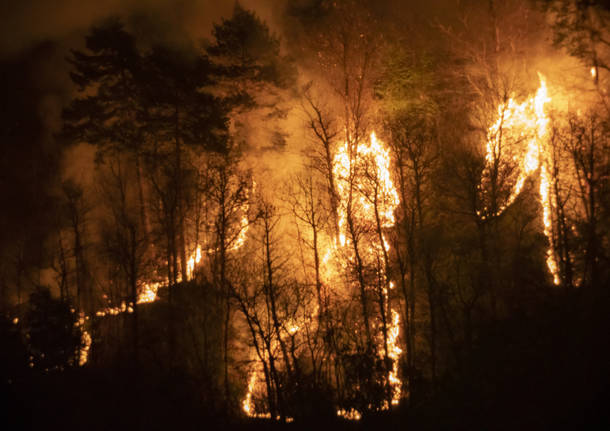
517,123
352,169
148,293
545,199
351,414
247,406
84,351
526,120
243,231
85,339
193,260
394,353
363,181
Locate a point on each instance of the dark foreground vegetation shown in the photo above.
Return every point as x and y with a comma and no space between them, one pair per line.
544,367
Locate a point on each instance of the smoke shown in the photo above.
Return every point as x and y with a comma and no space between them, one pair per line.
44,32
28,22
38,35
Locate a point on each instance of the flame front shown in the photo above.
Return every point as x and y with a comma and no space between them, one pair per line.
518,123
367,194
366,191
357,186
516,138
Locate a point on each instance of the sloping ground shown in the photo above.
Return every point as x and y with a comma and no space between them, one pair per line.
547,367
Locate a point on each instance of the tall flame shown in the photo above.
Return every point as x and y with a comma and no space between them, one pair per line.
363,181
517,123
364,186
247,402
352,170
529,121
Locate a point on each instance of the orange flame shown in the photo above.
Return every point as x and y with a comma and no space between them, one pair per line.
528,119
525,120
353,174
364,173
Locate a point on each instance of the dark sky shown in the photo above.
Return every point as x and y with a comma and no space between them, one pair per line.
30,21
36,35
35,39
27,22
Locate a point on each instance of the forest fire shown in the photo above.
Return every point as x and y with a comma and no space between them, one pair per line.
316,211
518,123
148,293
194,260
394,353
247,402
85,339
517,137
364,184
368,196
243,231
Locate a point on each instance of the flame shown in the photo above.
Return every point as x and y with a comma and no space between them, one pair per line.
194,259
148,293
244,225
526,120
363,174
366,169
113,311
85,338
520,121
352,169
545,177
247,402
394,353
351,414
248,406
293,328
243,231
593,72
84,351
